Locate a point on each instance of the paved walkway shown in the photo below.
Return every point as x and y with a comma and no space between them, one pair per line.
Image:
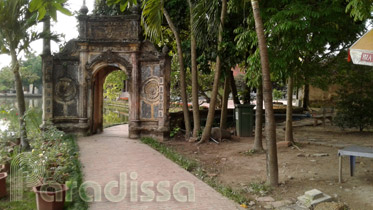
107,155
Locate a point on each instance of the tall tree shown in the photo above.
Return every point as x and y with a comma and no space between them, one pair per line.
258,143
193,49
15,37
289,113
270,127
183,85
210,116
224,104
233,88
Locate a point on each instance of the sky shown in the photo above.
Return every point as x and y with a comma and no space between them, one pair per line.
66,25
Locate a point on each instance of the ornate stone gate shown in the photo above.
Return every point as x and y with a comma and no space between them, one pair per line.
73,79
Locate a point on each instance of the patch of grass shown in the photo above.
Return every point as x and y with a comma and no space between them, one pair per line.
28,202
261,189
75,176
188,165
239,196
250,152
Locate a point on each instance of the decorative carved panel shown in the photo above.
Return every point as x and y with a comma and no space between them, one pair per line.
115,29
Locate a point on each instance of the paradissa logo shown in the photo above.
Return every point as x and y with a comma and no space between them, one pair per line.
182,191
28,171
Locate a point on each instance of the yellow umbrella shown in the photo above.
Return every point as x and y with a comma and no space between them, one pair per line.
361,52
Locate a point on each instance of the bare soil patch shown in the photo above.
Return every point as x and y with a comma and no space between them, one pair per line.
299,170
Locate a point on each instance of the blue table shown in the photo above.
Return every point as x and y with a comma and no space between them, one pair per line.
353,152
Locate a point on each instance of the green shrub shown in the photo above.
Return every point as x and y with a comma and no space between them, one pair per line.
355,104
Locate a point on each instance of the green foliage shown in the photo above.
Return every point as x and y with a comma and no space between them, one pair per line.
9,115
277,94
55,150
48,7
15,23
31,70
152,18
174,132
301,36
58,154
102,8
6,79
355,104
123,4
360,9
114,84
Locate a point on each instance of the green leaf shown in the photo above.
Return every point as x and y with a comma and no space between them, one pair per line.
42,11
53,13
63,10
123,6
35,5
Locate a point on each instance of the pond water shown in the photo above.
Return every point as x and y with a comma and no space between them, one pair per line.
112,114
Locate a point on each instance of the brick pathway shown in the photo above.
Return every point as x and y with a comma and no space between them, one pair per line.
107,155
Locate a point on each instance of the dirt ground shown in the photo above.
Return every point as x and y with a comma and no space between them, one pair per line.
299,169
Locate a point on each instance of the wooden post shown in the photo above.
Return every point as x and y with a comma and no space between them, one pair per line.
352,165
340,169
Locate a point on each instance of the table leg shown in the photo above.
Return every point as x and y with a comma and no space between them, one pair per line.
352,165
340,169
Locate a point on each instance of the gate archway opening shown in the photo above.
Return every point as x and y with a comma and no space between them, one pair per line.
109,83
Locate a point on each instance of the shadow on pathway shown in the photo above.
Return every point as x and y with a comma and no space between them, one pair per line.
150,180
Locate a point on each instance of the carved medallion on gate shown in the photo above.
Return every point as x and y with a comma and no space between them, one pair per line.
151,90
65,90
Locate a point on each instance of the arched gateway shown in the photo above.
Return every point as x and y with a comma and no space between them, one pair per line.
73,79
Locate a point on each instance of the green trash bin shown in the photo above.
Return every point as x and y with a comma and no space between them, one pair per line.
244,119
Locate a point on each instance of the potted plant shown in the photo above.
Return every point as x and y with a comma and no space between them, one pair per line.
49,150
5,158
3,177
50,196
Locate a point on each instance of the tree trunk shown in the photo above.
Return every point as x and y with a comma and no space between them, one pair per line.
20,100
289,113
210,116
193,49
234,88
258,143
247,97
47,30
224,106
270,127
184,97
306,96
